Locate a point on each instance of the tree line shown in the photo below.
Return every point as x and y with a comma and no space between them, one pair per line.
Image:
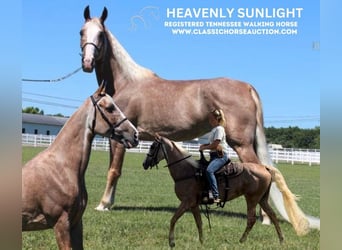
294,137
37,111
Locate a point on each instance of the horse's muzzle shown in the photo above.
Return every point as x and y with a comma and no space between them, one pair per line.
87,65
145,165
128,143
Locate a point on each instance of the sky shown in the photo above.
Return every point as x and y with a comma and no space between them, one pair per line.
283,68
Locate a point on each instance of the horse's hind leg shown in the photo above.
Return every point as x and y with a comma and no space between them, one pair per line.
76,235
197,216
247,153
180,211
251,219
269,211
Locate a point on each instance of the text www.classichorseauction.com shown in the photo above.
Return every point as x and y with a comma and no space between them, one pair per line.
231,21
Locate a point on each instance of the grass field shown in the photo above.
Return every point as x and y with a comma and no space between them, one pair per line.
145,202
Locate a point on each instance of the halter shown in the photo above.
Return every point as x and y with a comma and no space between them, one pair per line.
113,133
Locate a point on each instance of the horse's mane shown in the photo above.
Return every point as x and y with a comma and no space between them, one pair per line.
128,66
189,160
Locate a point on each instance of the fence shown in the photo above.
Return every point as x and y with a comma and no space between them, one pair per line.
284,155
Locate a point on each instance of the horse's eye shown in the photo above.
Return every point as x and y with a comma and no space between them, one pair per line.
110,109
81,33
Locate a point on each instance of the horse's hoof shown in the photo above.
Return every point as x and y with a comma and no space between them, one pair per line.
242,240
172,244
101,208
266,221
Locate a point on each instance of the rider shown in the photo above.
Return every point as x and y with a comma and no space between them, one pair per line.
217,137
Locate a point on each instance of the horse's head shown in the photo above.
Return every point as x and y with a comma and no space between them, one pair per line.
155,154
109,121
93,39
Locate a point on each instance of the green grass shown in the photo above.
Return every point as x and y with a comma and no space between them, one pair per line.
145,202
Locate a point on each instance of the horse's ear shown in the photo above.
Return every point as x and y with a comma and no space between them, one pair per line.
104,15
102,89
86,13
157,136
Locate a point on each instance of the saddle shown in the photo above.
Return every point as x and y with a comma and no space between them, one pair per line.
227,171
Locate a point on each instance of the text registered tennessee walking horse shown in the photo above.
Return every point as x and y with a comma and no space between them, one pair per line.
253,183
53,186
175,109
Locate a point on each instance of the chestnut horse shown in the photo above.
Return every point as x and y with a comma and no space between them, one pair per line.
53,186
253,183
173,108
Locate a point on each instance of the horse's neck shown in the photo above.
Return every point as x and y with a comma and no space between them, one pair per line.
73,142
181,168
118,66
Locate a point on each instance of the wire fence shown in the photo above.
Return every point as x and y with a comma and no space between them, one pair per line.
284,155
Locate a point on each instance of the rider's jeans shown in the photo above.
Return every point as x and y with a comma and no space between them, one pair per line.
213,166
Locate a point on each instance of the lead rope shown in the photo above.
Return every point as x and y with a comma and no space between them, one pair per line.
52,80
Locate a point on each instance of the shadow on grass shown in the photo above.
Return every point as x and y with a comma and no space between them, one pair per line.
213,210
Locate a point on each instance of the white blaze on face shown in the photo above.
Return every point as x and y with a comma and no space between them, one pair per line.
90,43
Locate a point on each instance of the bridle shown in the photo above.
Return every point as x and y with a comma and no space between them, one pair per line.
154,155
97,48
114,135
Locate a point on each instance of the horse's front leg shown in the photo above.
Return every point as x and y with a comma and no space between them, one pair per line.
183,207
62,232
117,153
76,234
197,216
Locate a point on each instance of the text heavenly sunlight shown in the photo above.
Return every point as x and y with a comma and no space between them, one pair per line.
230,12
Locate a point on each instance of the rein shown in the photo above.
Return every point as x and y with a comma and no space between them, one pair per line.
154,156
175,162
104,117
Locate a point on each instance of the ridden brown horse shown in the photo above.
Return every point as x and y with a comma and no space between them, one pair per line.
53,186
175,109
253,183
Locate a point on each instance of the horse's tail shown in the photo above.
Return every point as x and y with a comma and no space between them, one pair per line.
260,144
296,216
276,195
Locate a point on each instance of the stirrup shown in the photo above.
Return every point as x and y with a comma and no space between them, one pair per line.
217,200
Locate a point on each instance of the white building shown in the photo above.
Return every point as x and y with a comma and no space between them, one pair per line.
41,124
